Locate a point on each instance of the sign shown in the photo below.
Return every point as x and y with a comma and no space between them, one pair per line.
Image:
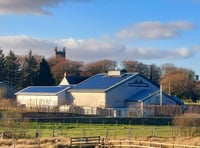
138,83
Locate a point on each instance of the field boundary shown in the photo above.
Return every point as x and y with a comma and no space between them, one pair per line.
144,144
85,141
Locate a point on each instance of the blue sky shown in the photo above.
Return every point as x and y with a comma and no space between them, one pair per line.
149,31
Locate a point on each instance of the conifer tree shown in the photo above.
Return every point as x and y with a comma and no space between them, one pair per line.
45,77
2,66
29,71
12,72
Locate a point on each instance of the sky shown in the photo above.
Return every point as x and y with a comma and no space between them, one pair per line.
149,31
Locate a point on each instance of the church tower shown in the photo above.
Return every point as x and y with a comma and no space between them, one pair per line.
60,53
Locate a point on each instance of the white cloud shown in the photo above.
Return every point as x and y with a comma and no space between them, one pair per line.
154,30
155,53
26,6
21,44
30,6
92,49
196,48
87,50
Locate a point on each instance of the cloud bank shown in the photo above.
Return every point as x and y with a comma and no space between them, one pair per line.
88,50
26,6
154,30
30,6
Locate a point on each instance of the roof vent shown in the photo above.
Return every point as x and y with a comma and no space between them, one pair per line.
115,73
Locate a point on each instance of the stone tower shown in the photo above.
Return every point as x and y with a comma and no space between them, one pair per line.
60,53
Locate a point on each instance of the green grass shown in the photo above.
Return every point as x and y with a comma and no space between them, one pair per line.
104,130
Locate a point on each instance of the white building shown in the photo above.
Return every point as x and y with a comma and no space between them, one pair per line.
119,93
43,96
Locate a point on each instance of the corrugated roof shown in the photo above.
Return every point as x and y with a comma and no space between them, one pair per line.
42,89
145,94
139,96
101,82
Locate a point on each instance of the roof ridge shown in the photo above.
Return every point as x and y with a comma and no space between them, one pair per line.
123,80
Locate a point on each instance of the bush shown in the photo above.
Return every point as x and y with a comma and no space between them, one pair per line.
188,125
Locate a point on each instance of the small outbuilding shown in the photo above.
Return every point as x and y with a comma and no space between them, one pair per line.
43,96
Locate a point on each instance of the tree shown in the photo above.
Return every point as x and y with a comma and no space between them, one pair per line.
102,66
179,82
29,71
60,65
154,73
12,71
2,66
130,66
143,69
45,77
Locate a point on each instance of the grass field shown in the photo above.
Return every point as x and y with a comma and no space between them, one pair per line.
103,130
52,135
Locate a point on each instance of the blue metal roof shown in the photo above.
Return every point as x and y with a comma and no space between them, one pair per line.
42,89
101,81
139,96
75,79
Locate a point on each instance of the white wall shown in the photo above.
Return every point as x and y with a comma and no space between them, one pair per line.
89,99
36,101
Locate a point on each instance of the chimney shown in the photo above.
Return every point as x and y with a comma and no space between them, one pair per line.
114,73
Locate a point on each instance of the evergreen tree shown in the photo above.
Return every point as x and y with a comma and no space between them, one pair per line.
29,71
12,69
2,66
45,77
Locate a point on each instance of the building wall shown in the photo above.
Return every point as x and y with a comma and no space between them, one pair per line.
62,98
37,101
84,99
116,97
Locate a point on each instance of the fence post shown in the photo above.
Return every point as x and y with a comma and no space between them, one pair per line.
37,138
129,133
106,134
84,132
160,145
53,133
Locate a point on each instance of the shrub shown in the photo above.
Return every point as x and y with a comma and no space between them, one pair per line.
188,125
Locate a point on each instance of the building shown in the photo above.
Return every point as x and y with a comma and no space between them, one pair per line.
115,93
43,96
122,93
60,53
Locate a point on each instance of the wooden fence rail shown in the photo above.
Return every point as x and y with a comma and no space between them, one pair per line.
144,144
85,141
